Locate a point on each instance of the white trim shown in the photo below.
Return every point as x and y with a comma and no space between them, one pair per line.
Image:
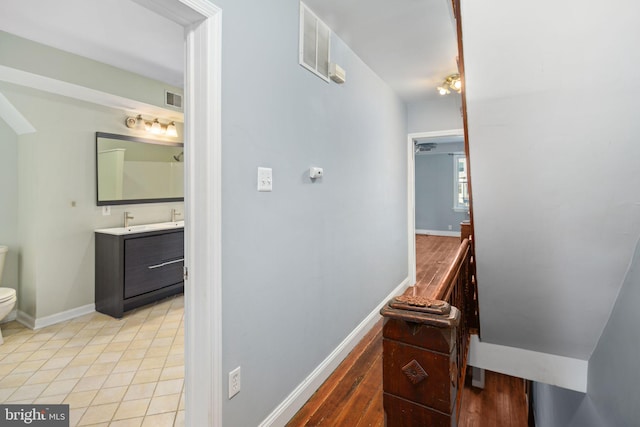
411,193
42,322
532,365
26,319
82,93
299,396
438,233
411,207
436,134
203,211
203,225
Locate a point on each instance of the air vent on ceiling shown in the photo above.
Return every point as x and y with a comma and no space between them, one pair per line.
172,99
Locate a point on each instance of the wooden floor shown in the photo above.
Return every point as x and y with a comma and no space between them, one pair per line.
352,395
501,403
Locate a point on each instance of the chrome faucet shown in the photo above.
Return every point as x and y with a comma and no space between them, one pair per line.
174,214
127,217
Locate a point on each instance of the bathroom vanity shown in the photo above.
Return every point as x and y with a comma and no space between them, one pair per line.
138,265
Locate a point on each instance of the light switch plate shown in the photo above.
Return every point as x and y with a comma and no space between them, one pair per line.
265,179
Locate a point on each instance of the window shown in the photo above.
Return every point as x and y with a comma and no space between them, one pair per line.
315,43
460,184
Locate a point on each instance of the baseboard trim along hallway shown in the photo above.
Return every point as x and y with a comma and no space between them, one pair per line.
298,397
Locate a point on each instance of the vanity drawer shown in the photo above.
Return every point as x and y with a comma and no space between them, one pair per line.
152,262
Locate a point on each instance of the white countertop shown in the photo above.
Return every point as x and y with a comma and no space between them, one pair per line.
142,228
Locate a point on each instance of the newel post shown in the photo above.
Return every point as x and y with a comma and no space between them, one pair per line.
420,372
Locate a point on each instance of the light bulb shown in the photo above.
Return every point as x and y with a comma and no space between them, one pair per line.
156,127
171,129
442,90
457,84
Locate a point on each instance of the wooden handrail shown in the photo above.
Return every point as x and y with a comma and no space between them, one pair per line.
445,287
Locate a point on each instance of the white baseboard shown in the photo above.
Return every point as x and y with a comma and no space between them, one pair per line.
439,233
299,396
38,323
531,365
26,319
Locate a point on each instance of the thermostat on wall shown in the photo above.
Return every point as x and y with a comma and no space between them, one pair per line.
337,73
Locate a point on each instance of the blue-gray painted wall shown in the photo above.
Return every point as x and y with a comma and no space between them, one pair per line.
613,367
434,191
559,407
303,265
612,387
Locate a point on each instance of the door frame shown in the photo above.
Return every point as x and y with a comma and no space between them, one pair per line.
202,21
411,191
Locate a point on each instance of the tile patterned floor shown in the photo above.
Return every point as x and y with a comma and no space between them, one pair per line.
111,372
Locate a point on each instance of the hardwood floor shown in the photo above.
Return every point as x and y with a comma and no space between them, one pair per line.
352,395
501,403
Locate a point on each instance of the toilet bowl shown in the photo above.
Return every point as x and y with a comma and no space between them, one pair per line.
7,302
7,295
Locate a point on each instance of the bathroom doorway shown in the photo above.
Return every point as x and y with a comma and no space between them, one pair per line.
203,309
201,22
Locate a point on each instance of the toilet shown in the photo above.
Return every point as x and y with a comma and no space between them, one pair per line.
7,295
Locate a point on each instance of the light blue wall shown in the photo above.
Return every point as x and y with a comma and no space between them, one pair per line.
612,396
559,407
9,203
434,192
614,374
303,265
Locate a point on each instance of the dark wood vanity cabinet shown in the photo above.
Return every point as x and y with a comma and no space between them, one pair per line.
137,269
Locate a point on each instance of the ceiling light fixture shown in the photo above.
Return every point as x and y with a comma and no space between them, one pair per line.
451,83
154,127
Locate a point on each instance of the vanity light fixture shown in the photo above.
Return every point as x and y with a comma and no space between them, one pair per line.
154,127
451,83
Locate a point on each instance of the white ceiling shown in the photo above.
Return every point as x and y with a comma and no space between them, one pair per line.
117,32
411,44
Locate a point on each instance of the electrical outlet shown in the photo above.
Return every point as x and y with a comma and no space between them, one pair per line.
234,382
106,210
450,228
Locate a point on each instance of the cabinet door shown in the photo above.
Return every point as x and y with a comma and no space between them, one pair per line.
152,262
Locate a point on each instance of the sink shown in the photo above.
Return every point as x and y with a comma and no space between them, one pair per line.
142,228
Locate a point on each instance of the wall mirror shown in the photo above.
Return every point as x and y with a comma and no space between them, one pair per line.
138,170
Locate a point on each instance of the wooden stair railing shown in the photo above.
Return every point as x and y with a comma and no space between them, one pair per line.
425,347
